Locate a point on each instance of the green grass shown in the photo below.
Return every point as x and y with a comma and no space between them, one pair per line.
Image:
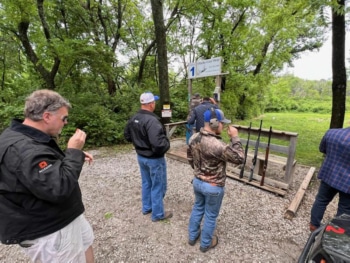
310,128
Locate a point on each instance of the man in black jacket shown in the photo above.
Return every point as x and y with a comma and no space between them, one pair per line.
41,206
148,136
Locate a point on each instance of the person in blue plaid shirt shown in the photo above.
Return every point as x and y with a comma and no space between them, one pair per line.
334,175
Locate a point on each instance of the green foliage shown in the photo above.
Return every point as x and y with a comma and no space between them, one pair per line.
107,58
7,113
289,93
102,118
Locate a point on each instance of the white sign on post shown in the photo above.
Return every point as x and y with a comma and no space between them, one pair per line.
204,68
191,70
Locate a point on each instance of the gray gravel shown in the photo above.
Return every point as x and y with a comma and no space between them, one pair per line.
251,225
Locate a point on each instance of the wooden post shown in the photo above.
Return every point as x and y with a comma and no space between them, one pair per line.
290,160
217,90
189,94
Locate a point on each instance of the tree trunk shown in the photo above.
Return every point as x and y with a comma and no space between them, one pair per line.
160,33
48,77
338,68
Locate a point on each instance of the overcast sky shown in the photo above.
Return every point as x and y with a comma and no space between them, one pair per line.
318,65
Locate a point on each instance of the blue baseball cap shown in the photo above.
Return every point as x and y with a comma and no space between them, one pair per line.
219,115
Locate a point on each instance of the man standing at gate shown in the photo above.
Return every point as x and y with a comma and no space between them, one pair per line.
196,116
195,101
208,155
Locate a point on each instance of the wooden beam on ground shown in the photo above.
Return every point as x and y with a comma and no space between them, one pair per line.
268,181
179,154
256,183
293,207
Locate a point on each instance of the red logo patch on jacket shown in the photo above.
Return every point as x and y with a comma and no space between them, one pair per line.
43,164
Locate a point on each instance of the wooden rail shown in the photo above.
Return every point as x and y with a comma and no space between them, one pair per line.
288,151
171,127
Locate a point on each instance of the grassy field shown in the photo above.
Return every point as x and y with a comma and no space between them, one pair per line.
310,128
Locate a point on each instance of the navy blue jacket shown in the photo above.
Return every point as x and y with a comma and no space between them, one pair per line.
197,114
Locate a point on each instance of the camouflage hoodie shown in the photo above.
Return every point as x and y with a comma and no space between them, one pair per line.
208,155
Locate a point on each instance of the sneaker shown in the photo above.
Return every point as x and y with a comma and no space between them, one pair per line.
193,242
166,216
312,227
214,242
147,212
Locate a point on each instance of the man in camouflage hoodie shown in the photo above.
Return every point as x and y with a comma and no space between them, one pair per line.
208,155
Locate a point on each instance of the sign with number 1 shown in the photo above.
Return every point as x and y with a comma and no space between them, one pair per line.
204,68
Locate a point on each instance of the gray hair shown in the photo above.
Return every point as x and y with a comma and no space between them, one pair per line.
43,100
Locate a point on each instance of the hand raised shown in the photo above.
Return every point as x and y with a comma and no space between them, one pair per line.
232,131
77,141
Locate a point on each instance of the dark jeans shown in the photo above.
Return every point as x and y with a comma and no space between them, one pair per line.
324,196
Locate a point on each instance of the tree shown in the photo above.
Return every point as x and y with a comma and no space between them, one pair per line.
160,35
254,38
338,65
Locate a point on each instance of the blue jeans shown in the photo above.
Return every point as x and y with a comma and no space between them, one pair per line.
189,131
208,200
154,185
324,196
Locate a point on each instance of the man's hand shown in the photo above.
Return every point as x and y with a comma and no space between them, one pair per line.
88,157
213,101
77,141
232,131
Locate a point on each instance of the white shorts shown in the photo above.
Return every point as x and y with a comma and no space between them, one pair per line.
65,245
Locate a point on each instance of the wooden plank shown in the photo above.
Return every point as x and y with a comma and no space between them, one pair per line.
273,159
293,207
262,145
276,134
175,123
171,127
268,181
176,156
255,183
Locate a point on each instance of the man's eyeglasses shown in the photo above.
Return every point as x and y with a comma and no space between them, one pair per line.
64,118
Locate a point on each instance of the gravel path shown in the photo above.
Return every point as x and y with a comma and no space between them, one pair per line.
251,225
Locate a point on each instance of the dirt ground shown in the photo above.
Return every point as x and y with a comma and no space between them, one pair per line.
251,225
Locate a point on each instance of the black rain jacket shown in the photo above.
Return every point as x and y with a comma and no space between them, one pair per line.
147,134
39,190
